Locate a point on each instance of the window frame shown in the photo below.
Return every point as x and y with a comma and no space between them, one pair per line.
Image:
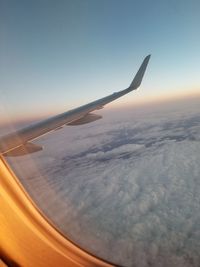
28,238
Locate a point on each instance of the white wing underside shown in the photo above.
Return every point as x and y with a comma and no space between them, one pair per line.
18,143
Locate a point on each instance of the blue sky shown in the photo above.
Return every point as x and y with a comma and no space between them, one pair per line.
57,55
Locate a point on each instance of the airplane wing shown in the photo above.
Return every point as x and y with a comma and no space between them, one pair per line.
18,143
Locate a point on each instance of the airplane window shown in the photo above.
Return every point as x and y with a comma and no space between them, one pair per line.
128,183
119,180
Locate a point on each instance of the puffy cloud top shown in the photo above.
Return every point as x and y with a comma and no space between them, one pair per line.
127,188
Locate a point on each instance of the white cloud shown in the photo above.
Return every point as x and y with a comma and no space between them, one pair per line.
127,190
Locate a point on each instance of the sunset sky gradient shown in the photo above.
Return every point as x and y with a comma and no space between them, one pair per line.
56,55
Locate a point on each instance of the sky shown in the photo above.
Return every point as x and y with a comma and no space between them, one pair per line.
56,55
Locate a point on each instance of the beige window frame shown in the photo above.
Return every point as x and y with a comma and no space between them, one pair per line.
27,238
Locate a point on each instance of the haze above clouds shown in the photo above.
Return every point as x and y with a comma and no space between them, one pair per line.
126,188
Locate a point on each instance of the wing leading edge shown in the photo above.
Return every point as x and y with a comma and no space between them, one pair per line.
17,143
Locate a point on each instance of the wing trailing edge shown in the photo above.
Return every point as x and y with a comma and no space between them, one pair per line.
24,149
86,119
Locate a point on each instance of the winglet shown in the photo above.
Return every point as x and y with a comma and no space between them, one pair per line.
139,75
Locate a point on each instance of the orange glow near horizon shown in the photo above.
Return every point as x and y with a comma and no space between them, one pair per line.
138,99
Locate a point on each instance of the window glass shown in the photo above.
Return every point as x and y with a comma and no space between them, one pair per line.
128,183
126,188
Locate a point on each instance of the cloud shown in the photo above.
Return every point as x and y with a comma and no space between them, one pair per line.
127,189
115,152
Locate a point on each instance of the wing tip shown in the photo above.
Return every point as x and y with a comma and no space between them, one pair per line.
139,75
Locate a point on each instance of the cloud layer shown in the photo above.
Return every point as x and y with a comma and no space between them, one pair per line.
127,188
